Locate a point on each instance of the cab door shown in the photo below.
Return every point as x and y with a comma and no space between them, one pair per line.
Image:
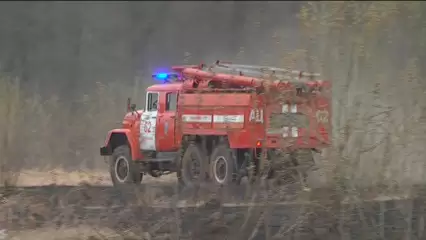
148,124
166,141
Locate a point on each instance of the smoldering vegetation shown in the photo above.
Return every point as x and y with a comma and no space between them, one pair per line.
157,212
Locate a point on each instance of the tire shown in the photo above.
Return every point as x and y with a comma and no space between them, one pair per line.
179,166
222,169
303,159
281,170
130,171
185,174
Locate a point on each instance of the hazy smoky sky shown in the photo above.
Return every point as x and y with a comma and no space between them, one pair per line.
65,47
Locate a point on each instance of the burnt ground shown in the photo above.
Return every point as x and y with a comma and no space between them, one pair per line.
161,212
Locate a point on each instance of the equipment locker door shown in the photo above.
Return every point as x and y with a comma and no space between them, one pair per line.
166,127
149,122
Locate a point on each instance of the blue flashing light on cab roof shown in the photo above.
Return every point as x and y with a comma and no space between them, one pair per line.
161,76
164,76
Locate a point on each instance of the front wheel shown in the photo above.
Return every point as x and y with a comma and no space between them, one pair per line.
122,169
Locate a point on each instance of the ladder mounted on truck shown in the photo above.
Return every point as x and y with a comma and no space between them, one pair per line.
264,71
223,74
254,71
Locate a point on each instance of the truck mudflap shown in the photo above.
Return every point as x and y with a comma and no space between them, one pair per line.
105,151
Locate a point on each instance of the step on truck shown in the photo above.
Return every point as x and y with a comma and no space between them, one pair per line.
219,123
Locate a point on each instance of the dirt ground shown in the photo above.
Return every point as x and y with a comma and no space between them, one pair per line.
69,233
103,212
60,177
29,178
60,205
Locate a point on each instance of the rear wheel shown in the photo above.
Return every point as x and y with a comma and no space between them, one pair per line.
192,166
303,160
222,170
123,169
289,168
281,168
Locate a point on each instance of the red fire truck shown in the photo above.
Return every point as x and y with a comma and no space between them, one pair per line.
220,123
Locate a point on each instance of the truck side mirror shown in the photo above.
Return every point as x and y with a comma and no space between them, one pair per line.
128,104
131,107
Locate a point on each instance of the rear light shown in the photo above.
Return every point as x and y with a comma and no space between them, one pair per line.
258,144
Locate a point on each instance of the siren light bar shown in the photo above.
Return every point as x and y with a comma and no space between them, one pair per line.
164,76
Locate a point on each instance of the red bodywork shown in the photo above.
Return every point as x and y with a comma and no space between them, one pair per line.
242,114
129,130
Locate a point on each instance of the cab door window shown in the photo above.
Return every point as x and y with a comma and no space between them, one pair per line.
152,102
171,101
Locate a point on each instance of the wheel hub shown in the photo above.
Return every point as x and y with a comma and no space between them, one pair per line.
121,169
220,169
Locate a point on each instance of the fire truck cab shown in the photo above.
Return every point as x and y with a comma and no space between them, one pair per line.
220,123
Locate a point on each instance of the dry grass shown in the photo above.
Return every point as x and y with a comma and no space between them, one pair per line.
66,233
74,178
35,214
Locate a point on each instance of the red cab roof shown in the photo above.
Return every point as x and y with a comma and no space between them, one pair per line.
165,87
